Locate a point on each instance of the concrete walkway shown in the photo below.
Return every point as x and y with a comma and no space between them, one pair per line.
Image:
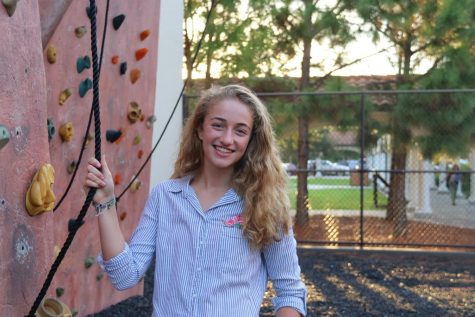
461,215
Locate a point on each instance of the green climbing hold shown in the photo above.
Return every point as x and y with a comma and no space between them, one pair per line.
84,86
10,5
99,276
4,136
89,12
82,63
117,21
89,262
59,291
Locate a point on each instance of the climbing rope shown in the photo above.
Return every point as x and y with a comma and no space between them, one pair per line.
213,4
76,223
86,135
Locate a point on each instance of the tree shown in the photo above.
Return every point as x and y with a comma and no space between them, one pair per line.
297,26
422,30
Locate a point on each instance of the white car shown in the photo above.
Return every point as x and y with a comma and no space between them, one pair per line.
327,167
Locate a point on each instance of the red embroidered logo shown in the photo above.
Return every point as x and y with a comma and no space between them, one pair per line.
235,221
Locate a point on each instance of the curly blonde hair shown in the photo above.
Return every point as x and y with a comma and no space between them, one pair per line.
258,177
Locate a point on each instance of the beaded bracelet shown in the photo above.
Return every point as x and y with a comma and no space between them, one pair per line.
107,205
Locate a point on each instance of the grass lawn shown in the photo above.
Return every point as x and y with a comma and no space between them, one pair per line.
335,198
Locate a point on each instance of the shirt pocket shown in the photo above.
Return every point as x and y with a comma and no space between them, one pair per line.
235,254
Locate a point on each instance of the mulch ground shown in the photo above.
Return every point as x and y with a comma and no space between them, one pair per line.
365,283
354,283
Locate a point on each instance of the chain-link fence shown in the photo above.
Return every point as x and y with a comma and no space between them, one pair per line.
378,168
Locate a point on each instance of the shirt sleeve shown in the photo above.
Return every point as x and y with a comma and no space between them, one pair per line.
127,268
284,271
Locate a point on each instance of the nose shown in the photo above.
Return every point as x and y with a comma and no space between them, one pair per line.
227,137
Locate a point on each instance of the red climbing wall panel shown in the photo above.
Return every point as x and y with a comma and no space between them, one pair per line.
31,88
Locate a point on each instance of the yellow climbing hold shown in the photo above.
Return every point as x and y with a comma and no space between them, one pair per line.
40,196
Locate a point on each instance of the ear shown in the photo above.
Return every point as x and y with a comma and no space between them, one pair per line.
200,132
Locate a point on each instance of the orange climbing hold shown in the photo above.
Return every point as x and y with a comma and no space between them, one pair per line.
117,179
144,34
115,59
140,53
140,154
134,75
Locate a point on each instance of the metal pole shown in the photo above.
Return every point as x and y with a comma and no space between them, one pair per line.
362,167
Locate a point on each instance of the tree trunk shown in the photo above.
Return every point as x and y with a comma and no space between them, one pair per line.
302,191
209,59
396,210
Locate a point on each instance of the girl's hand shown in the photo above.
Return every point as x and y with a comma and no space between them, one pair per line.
100,179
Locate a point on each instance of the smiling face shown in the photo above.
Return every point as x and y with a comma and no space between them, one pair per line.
225,134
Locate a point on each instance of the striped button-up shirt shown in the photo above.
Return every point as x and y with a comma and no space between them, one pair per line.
204,265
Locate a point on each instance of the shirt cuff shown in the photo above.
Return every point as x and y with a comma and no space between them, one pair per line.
115,262
294,302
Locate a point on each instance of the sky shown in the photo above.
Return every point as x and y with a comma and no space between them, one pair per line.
374,63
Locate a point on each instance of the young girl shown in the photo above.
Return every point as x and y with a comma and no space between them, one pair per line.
220,227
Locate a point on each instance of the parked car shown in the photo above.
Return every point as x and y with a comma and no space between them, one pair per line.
290,168
327,167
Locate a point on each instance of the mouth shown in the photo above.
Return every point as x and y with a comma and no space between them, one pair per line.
223,149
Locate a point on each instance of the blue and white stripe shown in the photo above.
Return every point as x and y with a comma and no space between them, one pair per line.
203,267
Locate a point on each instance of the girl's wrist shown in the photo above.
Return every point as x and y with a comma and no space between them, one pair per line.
105,205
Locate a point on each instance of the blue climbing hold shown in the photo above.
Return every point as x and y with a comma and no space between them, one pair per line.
4,136
82,63
51,129
123,68
84,86
113,135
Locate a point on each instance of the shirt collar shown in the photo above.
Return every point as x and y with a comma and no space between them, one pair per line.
182,184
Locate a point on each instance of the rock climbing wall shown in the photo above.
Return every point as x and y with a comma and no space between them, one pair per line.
49,82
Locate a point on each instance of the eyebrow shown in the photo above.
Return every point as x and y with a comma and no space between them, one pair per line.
224,120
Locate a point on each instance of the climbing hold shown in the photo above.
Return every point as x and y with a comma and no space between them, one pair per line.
117,21
142,118
134,75
89,261
137,140
122,216
56,251
4,136
59,291
10,5
80,31
53,307
51,54
99,276
40,196
151,120
135,185
73,223
66,132
117,179
144,34
134,112
89,13
140,154
74,312
84,86
82,63
113,135
115,59
89,138
72,166
64,95
140,53
51,129
123,68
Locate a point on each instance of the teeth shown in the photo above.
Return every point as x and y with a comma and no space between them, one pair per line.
223,149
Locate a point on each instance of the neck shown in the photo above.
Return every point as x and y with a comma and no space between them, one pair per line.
213,179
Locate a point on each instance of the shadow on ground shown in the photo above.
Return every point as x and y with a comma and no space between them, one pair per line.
365,283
